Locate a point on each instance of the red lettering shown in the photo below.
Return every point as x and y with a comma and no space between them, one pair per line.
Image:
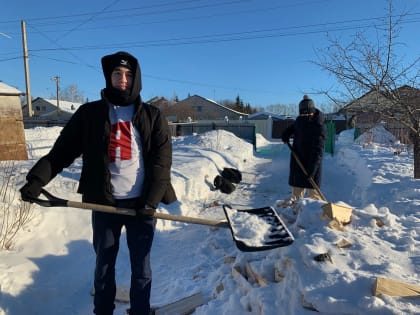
120,141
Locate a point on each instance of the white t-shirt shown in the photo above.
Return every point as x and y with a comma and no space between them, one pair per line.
126,160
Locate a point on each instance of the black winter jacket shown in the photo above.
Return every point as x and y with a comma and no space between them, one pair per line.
309,136
87,134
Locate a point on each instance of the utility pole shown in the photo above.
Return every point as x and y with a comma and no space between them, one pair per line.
26,65
57,81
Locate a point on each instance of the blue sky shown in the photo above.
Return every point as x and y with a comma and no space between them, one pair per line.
219,49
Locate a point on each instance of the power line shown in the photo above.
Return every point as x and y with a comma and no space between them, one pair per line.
96,16
239,36
55,42
88,20
298,30
71,17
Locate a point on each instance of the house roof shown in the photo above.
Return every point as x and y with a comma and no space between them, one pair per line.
65,106
157,99
371,98
215,103
9,90
355,104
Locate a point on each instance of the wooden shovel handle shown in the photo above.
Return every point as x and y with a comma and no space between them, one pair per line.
157,215
53,201
310,179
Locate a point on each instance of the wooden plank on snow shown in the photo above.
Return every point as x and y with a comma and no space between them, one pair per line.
183,306
343,243
395,288
122,295
240,277
278,276
254,276
339,212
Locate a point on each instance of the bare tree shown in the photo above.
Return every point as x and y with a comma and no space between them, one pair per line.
365,66
14,214
284,109
71,93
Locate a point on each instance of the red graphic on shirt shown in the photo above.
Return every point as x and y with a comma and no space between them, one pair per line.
120,141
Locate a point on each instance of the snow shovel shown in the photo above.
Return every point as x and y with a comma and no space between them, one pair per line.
257,229
331,210
276,224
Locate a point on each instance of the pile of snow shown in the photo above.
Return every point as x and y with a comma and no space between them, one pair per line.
346,137
50,268
377,135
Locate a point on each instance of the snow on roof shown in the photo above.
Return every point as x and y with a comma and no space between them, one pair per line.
66,106
273,115
215,103
9,90
338,117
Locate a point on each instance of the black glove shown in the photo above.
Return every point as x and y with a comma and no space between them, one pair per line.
31,190
223,184
285,138
145,213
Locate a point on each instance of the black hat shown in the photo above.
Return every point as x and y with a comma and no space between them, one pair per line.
306,106
121,59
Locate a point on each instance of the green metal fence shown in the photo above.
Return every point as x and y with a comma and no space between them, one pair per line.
330,141
244,131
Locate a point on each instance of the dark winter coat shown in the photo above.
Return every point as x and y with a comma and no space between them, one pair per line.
309,136
87,134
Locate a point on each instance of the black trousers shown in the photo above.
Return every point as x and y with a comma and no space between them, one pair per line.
106,241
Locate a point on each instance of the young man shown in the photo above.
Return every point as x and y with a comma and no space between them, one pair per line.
126,149
309,134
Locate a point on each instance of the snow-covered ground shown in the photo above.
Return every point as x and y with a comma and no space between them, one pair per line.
50,268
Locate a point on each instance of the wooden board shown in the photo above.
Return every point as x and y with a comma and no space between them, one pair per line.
395,288
240,278
343,243
255,276
183,306
12,139
253,306
122,295
341,213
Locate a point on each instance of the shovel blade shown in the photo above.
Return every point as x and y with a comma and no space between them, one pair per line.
257,229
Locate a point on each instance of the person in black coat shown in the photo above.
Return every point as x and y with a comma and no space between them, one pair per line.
126,149
309,135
